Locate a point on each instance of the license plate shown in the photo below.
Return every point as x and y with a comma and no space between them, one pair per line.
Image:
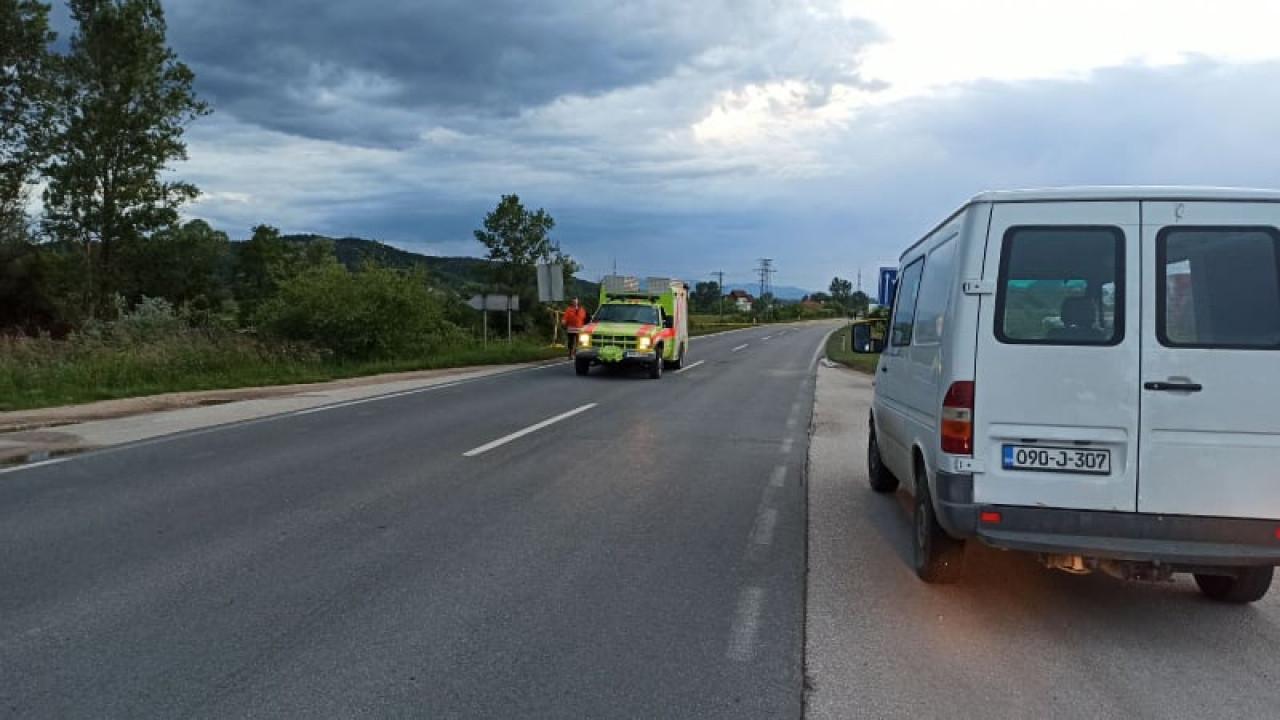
1039,458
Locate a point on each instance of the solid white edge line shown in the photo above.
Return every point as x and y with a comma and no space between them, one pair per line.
29,466
531,429
196,432
687,368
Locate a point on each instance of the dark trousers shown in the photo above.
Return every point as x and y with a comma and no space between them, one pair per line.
572,336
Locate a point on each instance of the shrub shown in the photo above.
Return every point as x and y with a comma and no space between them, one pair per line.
374,313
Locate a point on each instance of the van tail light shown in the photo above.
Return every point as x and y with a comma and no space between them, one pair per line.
957,419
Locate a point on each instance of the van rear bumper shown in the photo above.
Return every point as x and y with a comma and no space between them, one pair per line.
1179,540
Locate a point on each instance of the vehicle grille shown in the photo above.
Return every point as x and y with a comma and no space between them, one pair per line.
622,341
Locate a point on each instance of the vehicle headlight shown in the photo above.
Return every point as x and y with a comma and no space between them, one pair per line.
643,343
584,339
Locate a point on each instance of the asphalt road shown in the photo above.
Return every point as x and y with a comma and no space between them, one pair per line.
642,556
1012,639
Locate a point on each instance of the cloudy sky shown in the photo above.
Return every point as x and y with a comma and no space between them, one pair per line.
680,137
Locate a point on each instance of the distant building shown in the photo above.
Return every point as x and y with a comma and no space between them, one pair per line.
741,300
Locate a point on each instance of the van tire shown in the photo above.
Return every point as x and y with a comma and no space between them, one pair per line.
582,366
938,557
878,476
655,367
677,363
1249,585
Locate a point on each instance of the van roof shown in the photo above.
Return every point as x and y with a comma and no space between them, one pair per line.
1105,192
1127,192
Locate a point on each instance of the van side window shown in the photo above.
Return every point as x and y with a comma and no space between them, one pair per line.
935,290
1219,287
1061,285
904,309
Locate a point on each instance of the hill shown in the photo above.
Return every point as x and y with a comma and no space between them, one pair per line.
464,275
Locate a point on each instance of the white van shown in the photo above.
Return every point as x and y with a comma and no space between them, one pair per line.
1091,375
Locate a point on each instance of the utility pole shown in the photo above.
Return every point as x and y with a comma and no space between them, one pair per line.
720,291
765,269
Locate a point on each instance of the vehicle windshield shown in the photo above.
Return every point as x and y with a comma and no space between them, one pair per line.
646,314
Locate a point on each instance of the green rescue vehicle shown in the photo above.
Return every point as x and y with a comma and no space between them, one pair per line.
639,323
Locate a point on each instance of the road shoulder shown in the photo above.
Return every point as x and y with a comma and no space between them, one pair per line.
35,435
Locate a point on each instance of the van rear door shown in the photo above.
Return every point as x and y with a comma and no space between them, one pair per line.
1210,441
1056,374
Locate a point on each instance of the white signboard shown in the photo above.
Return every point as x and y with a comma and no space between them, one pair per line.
550,282
495,302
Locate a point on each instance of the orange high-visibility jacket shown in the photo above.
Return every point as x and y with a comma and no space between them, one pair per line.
575,318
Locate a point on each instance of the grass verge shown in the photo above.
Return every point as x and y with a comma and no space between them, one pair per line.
48,373
838,351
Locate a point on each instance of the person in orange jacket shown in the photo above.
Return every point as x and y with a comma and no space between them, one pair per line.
574,318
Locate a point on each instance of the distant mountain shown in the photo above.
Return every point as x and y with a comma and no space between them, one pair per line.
464,275
782,292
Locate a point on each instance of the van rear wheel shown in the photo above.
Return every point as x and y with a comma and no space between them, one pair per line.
1248,585
881,480
939,558
678,362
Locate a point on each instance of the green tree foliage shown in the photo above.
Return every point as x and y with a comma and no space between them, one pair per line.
841,290
122,102
705,297
517,239
24,108
859,302
186,264
375,313
266,260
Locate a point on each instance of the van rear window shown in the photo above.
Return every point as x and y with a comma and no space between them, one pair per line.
1220,287
1061,285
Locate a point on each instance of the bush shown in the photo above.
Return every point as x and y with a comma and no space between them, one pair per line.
374,313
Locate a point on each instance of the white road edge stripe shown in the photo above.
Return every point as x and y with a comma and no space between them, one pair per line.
687,368
740,347
531,429
40,463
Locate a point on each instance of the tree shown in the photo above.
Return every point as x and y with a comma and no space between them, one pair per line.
840,291
122,102
182,265
859,302
24,108
706,297
266,260
517,239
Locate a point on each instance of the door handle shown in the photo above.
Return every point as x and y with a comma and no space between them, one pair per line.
884,368
1173,386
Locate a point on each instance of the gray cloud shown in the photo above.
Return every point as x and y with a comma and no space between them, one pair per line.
379,71
406,121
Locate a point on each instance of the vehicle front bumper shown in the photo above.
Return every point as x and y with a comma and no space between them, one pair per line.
1179,540
628,356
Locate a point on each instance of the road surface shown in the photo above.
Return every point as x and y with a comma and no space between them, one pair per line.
1012,639
542,545
527,545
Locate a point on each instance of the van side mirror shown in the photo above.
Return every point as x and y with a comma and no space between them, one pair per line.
863,342
668,322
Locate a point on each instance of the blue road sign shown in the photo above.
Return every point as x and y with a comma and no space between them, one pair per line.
888,280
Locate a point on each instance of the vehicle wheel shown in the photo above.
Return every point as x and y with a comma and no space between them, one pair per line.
939,558
882,481
1246,587
677,363
655,367
582,366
